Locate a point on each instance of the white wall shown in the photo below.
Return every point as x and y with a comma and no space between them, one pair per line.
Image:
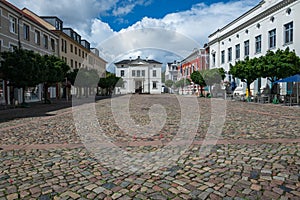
281,17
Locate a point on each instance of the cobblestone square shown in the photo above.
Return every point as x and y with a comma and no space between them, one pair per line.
256,156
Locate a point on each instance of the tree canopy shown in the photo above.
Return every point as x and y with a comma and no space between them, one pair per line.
110,82
25,68
169,83
246,70
279,64
182,83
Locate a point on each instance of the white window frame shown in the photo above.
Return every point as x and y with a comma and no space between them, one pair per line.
288,32
223,57
258,40
237,51
12,24
272,39
26,32
246,48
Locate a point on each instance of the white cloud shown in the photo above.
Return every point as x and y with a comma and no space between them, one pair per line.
178,32
200,21
123,10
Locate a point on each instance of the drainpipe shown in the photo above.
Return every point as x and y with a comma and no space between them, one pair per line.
19,37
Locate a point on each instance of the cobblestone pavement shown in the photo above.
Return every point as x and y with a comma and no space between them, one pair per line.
256,156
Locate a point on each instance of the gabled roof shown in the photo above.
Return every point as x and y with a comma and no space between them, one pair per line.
137,61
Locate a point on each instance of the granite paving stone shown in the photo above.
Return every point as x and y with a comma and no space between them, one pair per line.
256,157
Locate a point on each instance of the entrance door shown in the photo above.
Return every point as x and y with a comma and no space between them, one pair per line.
138,87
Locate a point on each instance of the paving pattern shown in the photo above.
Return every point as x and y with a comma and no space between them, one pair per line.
257,155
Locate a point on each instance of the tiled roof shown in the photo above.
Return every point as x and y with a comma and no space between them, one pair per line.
130,61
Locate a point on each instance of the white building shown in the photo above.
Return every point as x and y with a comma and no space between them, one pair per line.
271,25
139,76
171,71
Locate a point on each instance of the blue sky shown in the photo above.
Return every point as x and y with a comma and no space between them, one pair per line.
114,26
152,9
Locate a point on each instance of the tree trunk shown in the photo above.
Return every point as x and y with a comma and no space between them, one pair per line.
23,95
248,88
201,91
45,93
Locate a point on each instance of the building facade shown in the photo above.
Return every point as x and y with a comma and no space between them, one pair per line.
74,50
171,71
20,30
44,35
139,76
270,25
198,60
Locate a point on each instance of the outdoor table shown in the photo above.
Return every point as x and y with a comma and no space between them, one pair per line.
263,99
290,100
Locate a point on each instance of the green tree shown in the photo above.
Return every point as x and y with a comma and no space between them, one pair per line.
110,82
87,79
71,76
54,71
197,78
213,76
169,83
246,70
182,83
278,65
21,68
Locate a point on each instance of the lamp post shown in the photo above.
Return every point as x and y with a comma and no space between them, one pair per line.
67,95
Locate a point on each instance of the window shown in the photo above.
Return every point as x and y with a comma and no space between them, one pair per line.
37,37
138,73
237,51
272,39
154,85
154,73
82,54
62,45
133,72
65,46
258,44
229,54
46,41
214,59
13,47
12,24
143,73
79,52
75,64
288,33
71,48
75,50
52,44
72,63
122,73
223,56
26,30
246,48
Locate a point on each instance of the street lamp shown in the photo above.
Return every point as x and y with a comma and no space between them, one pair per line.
67,96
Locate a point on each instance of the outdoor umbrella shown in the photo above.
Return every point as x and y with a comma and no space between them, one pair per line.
294,78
